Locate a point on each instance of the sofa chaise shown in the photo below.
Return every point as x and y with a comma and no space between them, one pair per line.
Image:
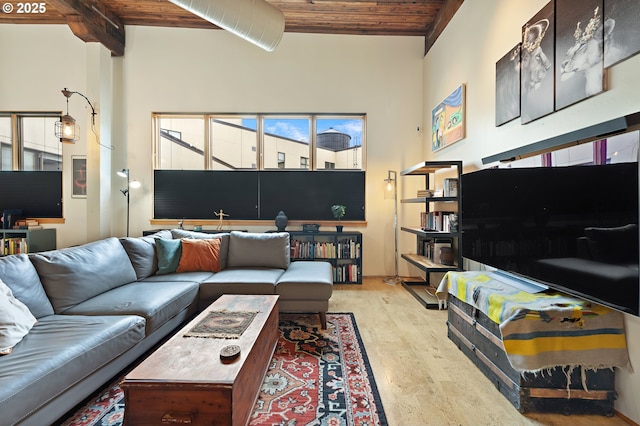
78,316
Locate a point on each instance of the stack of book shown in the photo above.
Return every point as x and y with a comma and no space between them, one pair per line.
436,221
27,224
425,193
450,187
14,245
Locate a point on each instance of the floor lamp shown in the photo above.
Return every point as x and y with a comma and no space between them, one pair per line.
130,184
392,189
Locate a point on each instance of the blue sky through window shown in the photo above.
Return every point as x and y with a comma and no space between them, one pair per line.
298,128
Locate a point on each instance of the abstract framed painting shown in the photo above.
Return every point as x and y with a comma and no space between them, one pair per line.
508,86
536,59
621,30
448,120
579,51
79,182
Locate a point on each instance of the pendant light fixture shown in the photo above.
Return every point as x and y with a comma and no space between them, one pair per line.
67,129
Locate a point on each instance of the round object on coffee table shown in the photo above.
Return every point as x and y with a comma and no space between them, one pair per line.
229,353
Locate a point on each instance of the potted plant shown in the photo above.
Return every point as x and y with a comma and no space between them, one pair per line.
338,211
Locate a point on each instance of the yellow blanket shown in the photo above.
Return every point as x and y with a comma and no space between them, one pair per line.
544,330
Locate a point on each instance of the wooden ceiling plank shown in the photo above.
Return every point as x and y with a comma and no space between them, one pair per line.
448,9
92,21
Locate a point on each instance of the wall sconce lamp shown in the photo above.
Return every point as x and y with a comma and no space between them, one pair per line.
67,129
131,184
392,192
257,21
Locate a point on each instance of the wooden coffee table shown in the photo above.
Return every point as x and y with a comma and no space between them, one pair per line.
185,382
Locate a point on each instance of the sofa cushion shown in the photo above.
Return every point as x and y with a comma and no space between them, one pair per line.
169,252
59,352
200,255
268,250
142,253
73,275
157,302
239,281
306,280
15,320
21,276
223,236
613,245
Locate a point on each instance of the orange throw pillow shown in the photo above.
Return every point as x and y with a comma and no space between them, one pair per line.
200,255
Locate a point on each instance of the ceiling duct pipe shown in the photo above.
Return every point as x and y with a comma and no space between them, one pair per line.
256,21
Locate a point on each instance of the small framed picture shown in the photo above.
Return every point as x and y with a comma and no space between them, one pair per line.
79,178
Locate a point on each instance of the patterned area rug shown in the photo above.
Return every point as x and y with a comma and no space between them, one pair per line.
316,377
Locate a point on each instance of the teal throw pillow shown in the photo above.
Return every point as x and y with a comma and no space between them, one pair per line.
169,252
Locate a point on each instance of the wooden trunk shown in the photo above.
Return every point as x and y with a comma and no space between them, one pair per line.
185,382
546,392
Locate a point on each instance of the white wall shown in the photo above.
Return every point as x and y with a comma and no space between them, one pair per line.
183,70
478,36
179,70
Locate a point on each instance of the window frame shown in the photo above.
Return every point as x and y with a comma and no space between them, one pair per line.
17,137
260,136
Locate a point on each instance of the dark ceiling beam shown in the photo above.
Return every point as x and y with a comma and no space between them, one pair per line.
92,21
445,14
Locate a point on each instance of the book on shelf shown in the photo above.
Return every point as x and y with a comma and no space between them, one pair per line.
438,221
14,245
450,187
26,224
430,248
425,193
346,273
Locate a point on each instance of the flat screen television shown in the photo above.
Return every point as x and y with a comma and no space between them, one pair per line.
573,228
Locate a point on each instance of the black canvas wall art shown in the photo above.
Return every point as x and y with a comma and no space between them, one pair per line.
579,50
621,30
508,86
537,58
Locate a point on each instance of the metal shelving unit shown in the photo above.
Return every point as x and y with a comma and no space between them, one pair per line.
423,291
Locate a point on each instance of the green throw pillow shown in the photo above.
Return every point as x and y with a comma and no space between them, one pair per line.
169,252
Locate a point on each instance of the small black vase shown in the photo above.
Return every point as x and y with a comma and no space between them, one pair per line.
281,221
338,228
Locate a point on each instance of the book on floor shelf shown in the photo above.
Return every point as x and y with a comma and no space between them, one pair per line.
15,245
346,273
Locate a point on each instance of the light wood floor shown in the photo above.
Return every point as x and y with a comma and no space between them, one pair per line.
422,377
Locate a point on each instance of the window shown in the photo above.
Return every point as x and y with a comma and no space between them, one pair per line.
233,143
339,142
259,141
6,150
32,146
286,135
181,143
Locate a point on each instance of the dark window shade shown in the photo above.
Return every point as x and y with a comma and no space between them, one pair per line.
36,193
199,194
302,195
309,195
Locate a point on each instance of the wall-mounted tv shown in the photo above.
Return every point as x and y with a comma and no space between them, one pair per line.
574,228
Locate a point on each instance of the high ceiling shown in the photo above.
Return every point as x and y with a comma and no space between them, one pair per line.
103,20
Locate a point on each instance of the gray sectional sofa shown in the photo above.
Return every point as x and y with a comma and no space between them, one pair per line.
102,305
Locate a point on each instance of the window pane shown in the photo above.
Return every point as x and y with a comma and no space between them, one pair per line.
339,143
234,142
181,143
42,150
286,135
5,143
